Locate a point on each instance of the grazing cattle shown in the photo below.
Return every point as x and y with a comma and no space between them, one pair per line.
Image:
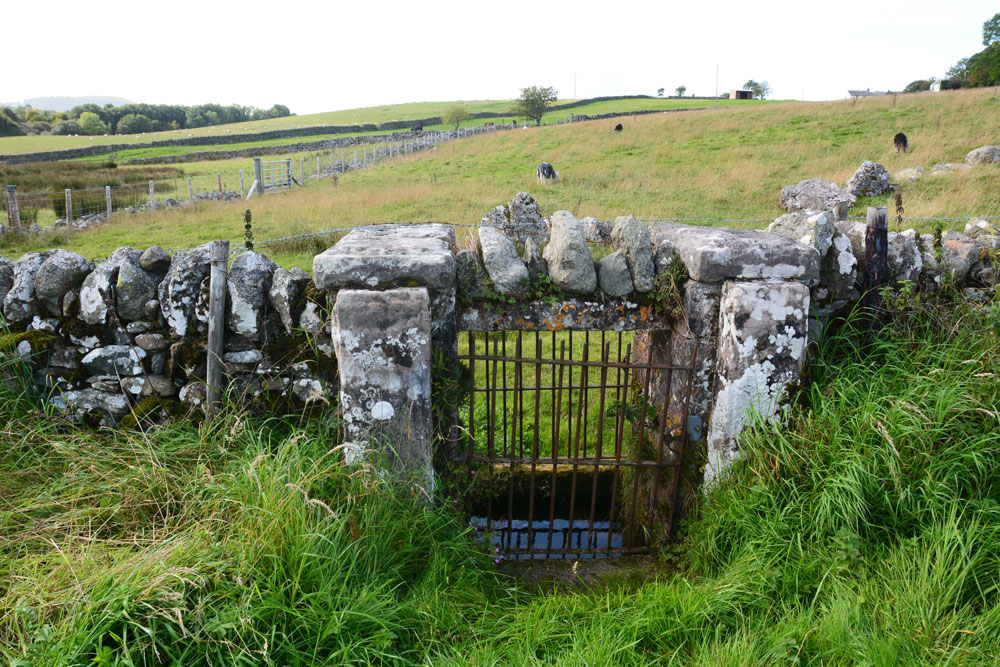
489,124
417,128
900,142
617,128
546,173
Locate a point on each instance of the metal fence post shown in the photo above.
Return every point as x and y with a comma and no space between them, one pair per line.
13,212
107,202
69,206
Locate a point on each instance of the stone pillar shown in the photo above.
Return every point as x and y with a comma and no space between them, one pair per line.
383,345
763,329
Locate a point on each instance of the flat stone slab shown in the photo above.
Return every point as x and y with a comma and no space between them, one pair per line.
389,256
715,254
572,315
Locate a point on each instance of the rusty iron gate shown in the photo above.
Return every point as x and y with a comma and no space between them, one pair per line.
567,454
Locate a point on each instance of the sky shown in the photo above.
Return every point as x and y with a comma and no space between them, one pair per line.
325,56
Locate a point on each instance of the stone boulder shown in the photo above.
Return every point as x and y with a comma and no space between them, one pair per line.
113,405
816,194
810,227
839,269
870,180
950,166
470,275
180,287
93,309
568,256
286,290
519,220
959,256
597,231
613,274
905,258
155,260
983,155
978,228
249,284
114,360
534,261
506,270
6,278
911,174
62,272
634,241
20,304
135,286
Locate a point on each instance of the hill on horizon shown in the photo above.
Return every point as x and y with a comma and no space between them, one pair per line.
67,103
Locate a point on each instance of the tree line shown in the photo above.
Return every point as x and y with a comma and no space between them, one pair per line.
93,119
978,70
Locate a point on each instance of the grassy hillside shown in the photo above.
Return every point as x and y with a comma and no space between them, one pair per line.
866,532
381,114
730,163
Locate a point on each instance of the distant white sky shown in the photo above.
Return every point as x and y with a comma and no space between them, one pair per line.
334,55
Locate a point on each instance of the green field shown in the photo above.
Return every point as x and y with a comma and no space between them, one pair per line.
381,114
729,164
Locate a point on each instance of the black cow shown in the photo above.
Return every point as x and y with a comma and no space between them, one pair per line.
900,142
617,128
417,128
546,173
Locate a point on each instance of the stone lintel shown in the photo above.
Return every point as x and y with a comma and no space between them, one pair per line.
572,315
383,346
715,254
389,256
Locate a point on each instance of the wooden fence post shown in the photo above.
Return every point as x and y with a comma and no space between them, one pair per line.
107,202
13,212
288,172
69,206
216,325
220,186
317,166
342,155
258,175
243,190
152,195
876,266
190,190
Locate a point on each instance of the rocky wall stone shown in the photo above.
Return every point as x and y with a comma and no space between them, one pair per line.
506,270
180,289
60,273
568,257
97,285
633,239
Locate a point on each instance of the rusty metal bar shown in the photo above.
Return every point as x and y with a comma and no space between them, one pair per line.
574,362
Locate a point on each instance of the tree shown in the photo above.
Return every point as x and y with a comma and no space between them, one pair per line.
984,67
91,123
680,90
9,126
534,101
134,124
991,30
659,91
958,74
67,127
758,90
455,114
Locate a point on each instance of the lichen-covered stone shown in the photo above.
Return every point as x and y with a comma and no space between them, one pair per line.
761,350
60,273
840,268
983,155
816,194
470,275
505,268
135,286
808,226
958,259
519,220
113,405
6,279
20,304
284,295
633,239
249,284
597,231
568,257
93,308
870,180
114,360
613,275
905,258
178,292
977,227
534,261
155,260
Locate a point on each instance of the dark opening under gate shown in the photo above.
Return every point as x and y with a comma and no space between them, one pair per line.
569,451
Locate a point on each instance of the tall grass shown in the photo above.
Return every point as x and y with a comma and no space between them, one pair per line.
866,532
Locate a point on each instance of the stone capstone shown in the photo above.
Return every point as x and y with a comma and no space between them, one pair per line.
613,275
383,345
810,227
715,254
870,180
983,155
286,290
20,304
506,270
155,260
249,284
62,272
178,292
816,194
633,239
114,360
618,314
761,350
568,257
93,308
388,255
134,287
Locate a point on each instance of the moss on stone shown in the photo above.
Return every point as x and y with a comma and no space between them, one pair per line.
38,340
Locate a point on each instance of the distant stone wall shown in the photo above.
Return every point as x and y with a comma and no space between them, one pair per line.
124,340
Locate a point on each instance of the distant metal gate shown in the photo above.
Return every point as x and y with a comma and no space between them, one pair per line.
276,175
565,452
